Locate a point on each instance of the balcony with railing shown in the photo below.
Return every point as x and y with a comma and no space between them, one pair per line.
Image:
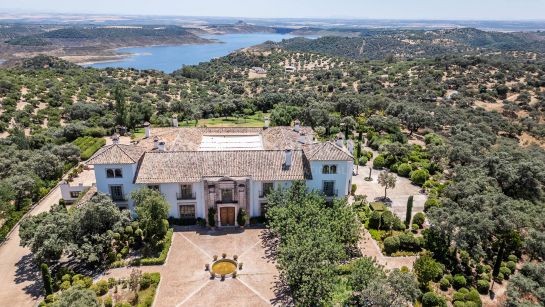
119,197
186,196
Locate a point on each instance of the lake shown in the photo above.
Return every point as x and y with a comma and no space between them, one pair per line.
170,58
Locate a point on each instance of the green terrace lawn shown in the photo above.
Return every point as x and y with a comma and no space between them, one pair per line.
229,121
255,120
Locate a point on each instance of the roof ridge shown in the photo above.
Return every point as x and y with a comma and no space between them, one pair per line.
124,152
98,154
217,151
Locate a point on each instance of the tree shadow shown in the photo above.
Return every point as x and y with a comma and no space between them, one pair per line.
269,242
27,271
282,295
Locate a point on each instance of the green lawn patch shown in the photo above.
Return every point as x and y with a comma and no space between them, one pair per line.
88,145
377,206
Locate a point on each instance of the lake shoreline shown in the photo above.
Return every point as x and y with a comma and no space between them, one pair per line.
171,57
117,56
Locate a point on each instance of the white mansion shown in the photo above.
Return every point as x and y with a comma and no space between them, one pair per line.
224,168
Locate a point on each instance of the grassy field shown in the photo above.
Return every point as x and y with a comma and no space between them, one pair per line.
230,121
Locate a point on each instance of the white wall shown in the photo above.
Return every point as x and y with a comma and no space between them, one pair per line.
255,189
170,190
66,188
103,183
342,178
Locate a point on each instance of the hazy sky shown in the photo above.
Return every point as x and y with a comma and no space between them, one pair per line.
378,9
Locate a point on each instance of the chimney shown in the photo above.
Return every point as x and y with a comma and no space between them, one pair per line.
350,146
297,126
302,138
155,142
287,161
115,138
174,120
339,142
266,124
147,130
161,145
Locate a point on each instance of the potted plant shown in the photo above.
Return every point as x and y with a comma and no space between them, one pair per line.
240,266
207,267
234,274
222,277
223,255
241,217
212,217
215,257
235,257
212,275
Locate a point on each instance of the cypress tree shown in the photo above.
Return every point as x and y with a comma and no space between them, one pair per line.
409,211
46,277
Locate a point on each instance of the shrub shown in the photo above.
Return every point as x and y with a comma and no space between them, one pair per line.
431,202
363,160
65,285
513,258
211,217
378,162
487,268
391,245
430,299
499,278
419,219
459,281
511,265
102,287
444,284
375,219
353,188
415,228
404,169
46,278
241,217
145,282
162,257
420,176
409,210
483,286
108,301
505,271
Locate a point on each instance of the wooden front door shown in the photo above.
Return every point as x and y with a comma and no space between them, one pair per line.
227,216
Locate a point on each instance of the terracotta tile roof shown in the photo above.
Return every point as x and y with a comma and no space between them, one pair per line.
192,166
326,151
117,154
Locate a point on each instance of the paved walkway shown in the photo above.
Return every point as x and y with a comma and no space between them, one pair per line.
20,281
184,282
399,195
370,248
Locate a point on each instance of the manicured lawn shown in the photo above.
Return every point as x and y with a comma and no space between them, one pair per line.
230,121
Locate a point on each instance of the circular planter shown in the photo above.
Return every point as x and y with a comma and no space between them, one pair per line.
224,267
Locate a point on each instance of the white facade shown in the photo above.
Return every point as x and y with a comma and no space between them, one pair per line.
256,194
225,169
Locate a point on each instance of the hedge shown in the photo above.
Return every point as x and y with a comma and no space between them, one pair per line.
148,261
88,145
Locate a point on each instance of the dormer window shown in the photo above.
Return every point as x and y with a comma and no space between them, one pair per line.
114,173
325,169
329,169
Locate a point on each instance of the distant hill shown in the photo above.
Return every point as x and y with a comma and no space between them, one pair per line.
378,44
